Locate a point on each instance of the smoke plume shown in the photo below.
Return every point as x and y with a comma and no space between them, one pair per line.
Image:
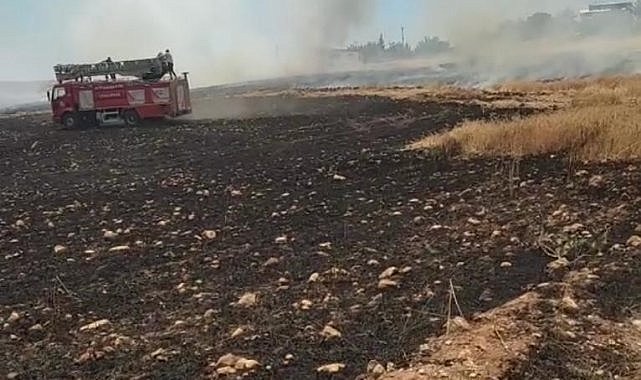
225,41
219,40
542,45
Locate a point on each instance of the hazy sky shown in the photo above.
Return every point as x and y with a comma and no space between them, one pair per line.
224,40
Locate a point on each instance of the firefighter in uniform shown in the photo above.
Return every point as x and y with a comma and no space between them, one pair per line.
169,62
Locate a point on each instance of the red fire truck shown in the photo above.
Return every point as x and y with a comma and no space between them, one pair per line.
130,91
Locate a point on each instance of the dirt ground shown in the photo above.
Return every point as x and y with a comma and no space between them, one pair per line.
311,245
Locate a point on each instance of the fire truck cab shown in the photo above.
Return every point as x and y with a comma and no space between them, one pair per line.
79,101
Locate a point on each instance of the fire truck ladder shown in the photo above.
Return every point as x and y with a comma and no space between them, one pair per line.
150,68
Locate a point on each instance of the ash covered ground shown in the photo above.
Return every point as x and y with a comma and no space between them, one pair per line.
270,247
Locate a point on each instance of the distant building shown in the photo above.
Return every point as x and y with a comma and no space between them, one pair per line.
620,8
619,18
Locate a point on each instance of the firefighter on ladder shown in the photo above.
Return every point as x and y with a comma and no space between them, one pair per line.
109,61
168,61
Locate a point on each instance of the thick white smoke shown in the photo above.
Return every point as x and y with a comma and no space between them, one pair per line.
222,41
218,40
556,43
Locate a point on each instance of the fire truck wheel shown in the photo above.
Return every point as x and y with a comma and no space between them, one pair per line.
70,120
88,119
131,118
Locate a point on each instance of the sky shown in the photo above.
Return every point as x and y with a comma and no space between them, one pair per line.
222,41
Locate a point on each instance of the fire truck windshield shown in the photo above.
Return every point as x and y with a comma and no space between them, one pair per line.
58,93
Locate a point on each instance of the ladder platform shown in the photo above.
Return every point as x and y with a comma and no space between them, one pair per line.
139,68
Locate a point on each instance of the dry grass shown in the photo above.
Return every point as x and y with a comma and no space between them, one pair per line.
491,98
602,121
569,85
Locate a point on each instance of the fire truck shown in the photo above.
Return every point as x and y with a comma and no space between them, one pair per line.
116,93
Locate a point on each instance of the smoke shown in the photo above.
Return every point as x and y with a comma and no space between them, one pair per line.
225,41
322,25
490,48
218,41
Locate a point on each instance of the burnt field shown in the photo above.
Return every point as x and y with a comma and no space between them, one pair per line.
294,242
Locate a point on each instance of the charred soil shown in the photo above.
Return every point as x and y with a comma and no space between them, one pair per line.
153,252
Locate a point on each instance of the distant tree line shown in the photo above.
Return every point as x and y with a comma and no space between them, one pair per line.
540,25
380,50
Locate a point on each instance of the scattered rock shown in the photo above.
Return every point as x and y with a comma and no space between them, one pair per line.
387,283
228,360
474,221
60,249
36,328
13,317
325,245
90,355
331,368
230,364
119,248
558,268
574,228
12,375
272,261
339,178
314,278
110,235
247,300
419,220
209,314
375,369
388,273
506,264
330,333
634,241
209,234
95,325
305,304
569,305
224,371
238,332
596,181
160,354
246,364
281,240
